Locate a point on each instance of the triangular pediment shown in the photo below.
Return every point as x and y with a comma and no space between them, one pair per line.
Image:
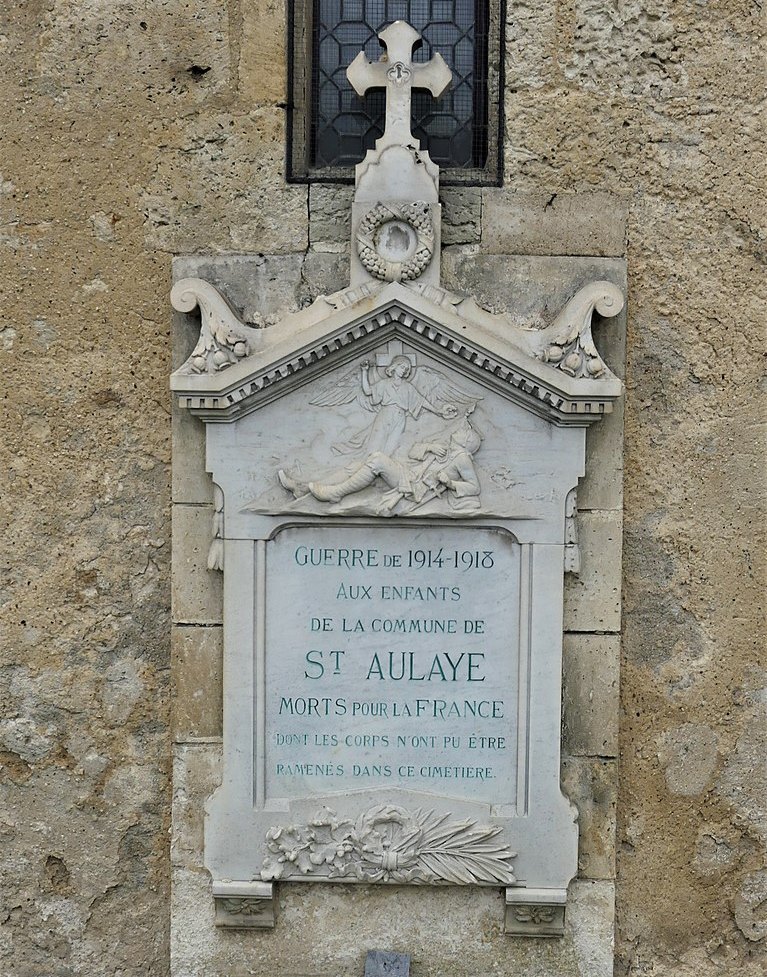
266,364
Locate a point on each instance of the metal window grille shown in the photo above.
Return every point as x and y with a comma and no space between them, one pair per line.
332,127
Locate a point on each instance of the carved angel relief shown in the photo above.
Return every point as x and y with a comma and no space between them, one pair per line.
405,474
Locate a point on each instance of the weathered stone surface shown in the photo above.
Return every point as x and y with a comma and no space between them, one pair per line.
560,224
251,210
748,905
196,662
593,596
196,774
743,782
182,52
461,214
311,944
590,694
258,36
688,755
196,592
592,785
330,217
591,913
535,287
602,486
191,483
379,963
263,287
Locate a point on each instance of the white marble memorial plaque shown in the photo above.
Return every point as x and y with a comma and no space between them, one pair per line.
392,661
394,475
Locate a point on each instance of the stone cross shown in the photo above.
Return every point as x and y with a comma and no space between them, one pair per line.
399,75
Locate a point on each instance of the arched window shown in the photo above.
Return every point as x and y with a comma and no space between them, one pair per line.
331,127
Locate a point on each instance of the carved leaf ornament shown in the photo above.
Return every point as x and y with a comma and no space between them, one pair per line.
224,340
390,844
571,345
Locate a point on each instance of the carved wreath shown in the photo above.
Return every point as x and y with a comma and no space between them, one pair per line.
417,216
390,844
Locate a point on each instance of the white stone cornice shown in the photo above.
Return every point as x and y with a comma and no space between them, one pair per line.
518,363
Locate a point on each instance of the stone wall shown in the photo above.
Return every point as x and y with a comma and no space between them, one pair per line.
135,131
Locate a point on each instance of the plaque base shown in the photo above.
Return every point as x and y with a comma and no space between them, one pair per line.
244,905
535,912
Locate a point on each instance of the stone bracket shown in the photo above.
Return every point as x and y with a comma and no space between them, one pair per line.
535,912
244,905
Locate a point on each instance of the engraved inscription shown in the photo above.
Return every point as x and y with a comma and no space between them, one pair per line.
392,661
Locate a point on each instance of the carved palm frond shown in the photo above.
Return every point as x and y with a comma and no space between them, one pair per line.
464,852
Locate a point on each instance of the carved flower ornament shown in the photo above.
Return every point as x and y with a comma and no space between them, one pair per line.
242,906
390,844
396,243
538,915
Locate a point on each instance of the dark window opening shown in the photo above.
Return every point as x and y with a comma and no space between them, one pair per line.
332,128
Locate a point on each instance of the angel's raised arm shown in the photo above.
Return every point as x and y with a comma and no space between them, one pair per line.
365,378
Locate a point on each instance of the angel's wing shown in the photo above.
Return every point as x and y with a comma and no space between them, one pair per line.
440,391
345,390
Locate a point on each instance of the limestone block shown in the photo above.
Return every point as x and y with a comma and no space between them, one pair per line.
197,659
196,774
261,287
602,485
234,193
190,482
593,597
330,211
594,60
179,49
323,274
430,923
591,664
554,224
533,288
591,918
262,64
532,30
379,963
196,592
592,785
461,215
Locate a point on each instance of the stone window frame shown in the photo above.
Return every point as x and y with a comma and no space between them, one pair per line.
299,58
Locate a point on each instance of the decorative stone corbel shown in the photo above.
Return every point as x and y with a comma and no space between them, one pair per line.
224,340
572,550
216,551
535,912
244,905
567,343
